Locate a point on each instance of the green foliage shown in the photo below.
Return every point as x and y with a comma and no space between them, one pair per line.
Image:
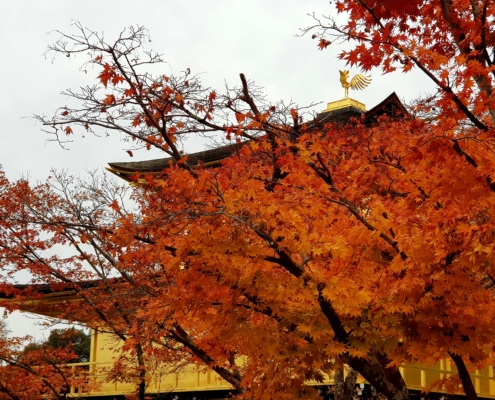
70,338
78,340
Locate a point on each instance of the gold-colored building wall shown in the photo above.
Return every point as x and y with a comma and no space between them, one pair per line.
104,349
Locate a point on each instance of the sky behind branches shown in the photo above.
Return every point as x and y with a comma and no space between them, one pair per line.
217,38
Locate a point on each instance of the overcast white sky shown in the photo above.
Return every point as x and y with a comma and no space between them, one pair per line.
219,38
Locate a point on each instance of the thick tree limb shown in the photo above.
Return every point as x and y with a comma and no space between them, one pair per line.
181,336
467,383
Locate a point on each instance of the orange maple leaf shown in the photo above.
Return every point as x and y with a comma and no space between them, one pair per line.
323,44
129,92
106,74
116,79
137,120
240,117
109,99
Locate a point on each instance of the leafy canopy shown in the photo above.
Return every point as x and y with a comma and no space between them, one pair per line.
309,247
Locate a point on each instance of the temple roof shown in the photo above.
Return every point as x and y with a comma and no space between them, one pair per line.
207,157
391,106
46,299
49,288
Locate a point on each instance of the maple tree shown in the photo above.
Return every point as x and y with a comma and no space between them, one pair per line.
36,220
36,373
309,248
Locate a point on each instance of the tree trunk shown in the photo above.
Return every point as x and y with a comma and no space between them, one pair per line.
386,380
467,383
142,373
344,388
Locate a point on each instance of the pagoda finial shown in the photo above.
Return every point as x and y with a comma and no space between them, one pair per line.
358,82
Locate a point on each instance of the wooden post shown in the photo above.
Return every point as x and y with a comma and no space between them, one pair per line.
491,382
423,378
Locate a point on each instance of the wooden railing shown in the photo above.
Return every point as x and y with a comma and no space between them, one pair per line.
162,381
417,377
421,377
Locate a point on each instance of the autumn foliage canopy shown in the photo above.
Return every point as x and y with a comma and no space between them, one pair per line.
312,245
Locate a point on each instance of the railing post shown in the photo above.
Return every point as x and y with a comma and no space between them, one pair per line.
72,388
423,378
491,382
442,368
